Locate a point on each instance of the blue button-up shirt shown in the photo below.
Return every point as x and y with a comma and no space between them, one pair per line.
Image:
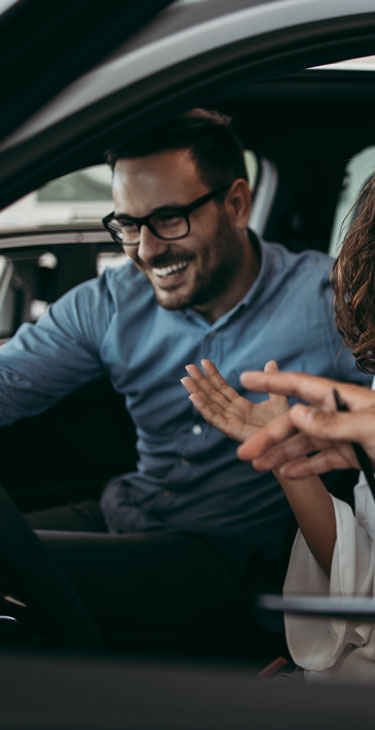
188,477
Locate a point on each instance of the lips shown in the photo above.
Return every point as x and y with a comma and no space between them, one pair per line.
171,269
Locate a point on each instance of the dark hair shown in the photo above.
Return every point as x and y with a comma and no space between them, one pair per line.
210,137
353,280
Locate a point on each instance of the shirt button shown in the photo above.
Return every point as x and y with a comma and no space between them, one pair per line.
197,429
183,462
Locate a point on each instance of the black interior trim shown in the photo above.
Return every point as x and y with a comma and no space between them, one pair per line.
207,79
57,47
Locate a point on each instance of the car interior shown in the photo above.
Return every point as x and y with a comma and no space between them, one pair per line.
305,132
308,132
309,137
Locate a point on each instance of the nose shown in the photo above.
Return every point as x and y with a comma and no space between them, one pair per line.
150,245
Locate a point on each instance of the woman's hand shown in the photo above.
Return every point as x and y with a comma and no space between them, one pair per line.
222,407
286,442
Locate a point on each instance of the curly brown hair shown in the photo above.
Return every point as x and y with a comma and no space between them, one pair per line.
353,281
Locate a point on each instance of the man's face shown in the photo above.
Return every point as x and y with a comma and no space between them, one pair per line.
187,272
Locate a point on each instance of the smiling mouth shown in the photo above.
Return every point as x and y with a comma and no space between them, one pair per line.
171,270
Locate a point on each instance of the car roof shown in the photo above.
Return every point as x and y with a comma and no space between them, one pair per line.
185,29
58,45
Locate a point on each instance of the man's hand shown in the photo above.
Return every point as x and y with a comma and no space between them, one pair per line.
222,407
286,442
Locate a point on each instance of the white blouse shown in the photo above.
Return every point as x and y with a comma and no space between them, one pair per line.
325,647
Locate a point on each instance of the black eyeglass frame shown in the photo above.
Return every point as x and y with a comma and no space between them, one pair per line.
184,210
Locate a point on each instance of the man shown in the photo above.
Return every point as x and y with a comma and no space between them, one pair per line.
198,284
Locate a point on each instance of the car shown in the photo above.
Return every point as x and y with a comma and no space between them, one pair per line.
297,76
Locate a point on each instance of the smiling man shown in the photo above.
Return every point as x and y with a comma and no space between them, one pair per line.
193,245
192,521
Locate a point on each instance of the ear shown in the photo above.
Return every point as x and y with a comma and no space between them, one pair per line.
238,203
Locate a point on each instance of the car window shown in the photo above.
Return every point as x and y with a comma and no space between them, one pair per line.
357,172
358,168
84,195
5,4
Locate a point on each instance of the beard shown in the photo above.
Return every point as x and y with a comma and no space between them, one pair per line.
220,259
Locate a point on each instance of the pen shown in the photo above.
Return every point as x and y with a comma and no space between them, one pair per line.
361,455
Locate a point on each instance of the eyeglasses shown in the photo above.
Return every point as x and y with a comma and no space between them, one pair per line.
168,223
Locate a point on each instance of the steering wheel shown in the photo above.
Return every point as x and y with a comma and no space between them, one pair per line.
39,581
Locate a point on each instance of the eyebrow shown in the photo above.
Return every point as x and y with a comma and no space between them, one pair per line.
154,210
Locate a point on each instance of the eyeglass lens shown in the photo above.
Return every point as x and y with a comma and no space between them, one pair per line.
167,224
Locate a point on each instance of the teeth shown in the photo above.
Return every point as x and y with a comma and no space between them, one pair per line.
167,270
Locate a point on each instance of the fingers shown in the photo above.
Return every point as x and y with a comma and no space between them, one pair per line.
336,426
271,367
273,446
275,432
278,446
191,383
210,412
217,381
204,395
320,463
288,450
210,385
217,402
280,400
311,388
206,406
